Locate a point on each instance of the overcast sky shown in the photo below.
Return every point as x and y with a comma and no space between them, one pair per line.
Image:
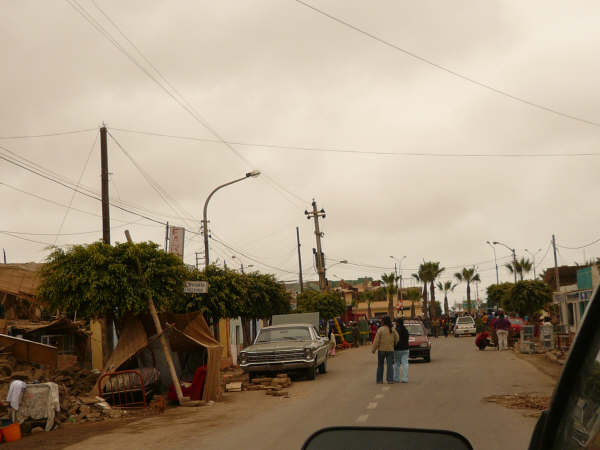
279,73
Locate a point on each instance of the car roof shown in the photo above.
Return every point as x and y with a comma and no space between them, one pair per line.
287,325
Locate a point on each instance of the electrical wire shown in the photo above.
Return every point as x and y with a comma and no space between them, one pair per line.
545,254
250,258
365,152
448,70
58,133
580,247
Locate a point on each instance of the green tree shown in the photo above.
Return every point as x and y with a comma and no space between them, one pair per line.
432,271
445,287
390,279
422,277
468,276
100,280
413,294
528,297
327,304
496,293
521,267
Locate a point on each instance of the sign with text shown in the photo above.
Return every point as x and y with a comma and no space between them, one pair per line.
196,287
176,239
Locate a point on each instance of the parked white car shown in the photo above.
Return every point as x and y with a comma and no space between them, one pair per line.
464,325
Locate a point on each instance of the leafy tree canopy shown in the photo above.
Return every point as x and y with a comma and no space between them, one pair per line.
327,304
528,297
496,293
98,279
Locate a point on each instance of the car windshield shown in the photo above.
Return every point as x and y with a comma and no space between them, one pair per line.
414,329
283,334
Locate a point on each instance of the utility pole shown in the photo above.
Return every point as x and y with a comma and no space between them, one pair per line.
104,180
167,239
315,214
198,260
299,261
515,264
556,275
4,253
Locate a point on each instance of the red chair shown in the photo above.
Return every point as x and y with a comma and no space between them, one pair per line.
194,392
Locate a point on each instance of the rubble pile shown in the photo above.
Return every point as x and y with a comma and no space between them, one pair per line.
520,401
273,386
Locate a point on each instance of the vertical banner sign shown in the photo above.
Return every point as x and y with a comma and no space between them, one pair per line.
176,238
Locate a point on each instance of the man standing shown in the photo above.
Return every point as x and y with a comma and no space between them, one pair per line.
502,326
401,353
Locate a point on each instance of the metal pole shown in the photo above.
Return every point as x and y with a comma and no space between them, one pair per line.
556,273
320,265
299,261
515,264
205,220
4,253
104,182
167,238
495,262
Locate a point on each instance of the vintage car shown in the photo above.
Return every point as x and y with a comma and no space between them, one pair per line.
418,343
286,348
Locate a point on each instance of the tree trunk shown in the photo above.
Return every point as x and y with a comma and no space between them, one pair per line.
390,299
246,331
432,300
412,309
425,304
446,304
369,314
469,297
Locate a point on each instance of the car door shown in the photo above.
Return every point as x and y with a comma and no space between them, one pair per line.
321,346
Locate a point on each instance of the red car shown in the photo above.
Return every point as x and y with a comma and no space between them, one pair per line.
418,343
516,323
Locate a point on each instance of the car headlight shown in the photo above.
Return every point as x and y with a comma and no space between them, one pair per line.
308,353
243,358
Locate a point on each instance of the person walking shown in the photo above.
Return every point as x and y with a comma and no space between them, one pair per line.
384,343
401,353
502,326
373,331
332,342
446,326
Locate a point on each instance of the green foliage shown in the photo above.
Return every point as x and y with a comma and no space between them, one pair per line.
98,279
520,267
527,297
496,293
412,293
231,294
327,304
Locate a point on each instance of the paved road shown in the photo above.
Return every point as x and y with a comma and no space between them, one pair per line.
446,393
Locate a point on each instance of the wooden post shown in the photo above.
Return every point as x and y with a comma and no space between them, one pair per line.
163,338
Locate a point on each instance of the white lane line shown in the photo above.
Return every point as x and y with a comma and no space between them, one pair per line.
362,419
372,405
385,388
378,396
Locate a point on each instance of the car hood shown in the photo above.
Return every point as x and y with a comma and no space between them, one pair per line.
277,345
416,340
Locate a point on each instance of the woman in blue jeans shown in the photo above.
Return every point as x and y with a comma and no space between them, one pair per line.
384,343
401,351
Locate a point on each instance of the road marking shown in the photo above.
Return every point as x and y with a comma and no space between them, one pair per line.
379,396
372,405
362,419
385,388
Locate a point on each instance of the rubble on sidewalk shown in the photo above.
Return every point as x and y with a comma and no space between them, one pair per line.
235,380
557,356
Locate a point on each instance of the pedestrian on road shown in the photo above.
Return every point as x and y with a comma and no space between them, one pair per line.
446,326
502,325
384,343
373,331
401,353
436,327
355,335
332,342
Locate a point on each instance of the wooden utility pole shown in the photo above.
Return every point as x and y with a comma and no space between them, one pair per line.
299,261
159,331
556,275
315,214
104,181
167,238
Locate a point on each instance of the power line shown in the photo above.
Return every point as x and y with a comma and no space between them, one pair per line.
250,258
175,95
79,233
58,133
581,246
450,71
365,152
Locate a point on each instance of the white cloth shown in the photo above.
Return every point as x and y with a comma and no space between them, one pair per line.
15,392
41,401
502,339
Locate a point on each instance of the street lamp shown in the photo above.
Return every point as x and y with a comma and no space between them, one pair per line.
533,256
242,264
514,257
399,277
343,261
495,261
251,174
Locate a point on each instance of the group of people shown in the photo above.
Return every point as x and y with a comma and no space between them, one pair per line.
391,344
498,324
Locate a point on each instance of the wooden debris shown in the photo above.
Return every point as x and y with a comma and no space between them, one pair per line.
234,387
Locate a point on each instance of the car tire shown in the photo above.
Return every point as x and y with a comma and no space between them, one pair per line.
311,372
428,357
323,367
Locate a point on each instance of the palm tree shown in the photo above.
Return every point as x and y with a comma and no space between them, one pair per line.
433,271
389,279
413,295
421,277
468,276
521,267
446,287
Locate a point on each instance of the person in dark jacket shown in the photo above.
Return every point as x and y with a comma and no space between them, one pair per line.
401,352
